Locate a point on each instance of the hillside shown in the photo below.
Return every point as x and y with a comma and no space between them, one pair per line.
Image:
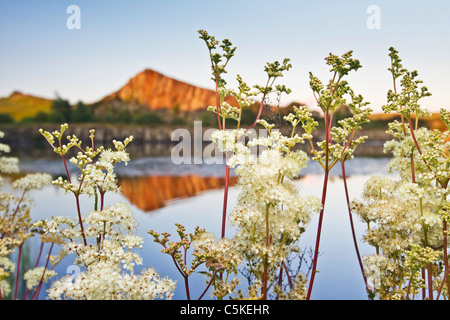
20,105
156,91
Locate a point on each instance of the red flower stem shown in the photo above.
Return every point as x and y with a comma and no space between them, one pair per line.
319,230
38,289
430,281
209,284
280,278
102,200
260,107
18,204
185,276
352,225
446,269
76,195
424,292
39,255
16,288
324,195
37,263
266,257
225,199
291,284
186,284
79,217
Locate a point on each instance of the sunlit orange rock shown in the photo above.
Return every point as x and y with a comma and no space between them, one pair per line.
157,91
153,192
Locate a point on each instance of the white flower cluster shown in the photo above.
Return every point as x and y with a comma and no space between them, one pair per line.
109,260
15,220
222,251
226,139
7,164
95,176
270,215
105,240
405,218
33,276
33,181
396,213
105,281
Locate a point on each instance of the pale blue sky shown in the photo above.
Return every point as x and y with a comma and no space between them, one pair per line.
39,55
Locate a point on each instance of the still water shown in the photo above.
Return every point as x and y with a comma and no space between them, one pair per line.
162,194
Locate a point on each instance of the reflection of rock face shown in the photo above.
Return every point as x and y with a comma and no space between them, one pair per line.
152,192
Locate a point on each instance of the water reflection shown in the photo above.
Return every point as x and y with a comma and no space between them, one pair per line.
150,185
152,192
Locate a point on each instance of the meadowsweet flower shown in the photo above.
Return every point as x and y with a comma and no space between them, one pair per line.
104,241
4,148
404,217
15,222
6,263
226,139
5,288
33,276
103,281
32,181
9,164
268,196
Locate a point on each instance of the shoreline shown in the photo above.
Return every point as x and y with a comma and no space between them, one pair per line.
151,140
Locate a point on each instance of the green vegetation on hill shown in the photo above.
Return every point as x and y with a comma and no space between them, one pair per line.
19,106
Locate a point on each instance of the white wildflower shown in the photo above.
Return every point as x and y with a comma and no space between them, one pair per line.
32,277
33,181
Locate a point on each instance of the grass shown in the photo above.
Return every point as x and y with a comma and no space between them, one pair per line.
21,106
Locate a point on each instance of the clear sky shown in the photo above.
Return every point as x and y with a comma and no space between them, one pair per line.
117,39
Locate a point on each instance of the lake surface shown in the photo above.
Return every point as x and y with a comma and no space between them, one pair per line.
162,194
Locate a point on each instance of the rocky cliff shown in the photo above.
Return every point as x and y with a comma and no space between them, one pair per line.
157,91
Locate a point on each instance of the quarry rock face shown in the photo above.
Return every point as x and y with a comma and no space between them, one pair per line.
157,91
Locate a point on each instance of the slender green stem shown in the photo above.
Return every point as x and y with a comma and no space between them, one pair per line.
218,101
64,161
